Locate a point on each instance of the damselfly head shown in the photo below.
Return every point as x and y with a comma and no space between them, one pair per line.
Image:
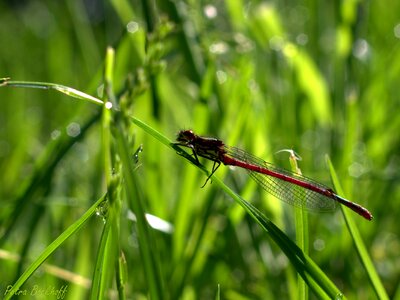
186,136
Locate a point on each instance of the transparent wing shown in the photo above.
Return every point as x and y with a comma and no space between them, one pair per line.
284,190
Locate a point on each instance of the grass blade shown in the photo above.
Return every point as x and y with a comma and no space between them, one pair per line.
358,242
51,86
53,247
146,240
106,256
302,238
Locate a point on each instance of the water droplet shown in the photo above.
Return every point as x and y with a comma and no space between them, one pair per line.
319,244
210,11
136,154
221,77
339,296
73,129
361,49
219,48
132,27
102,210
55,134
108,105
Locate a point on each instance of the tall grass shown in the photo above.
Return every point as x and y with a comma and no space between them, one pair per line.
99,203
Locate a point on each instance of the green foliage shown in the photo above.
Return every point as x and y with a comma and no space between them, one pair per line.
264,76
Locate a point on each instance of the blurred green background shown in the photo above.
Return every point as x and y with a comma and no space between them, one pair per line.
317,77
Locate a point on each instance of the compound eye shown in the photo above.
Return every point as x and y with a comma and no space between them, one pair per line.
190,134
186,135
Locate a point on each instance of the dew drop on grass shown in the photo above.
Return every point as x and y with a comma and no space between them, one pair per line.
102,210
108,105
339,296
55,134
73,129
132,27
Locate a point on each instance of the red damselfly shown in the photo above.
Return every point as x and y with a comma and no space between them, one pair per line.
281,183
